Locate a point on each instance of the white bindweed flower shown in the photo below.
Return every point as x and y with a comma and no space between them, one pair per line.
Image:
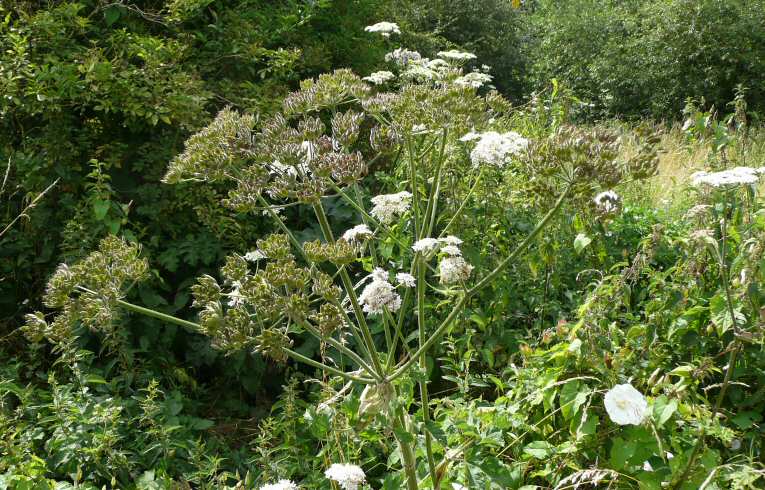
727,178
384,28
379,294
402,56
388,206
405,279
647,466
626,405
280,485
380,77
493,148
474,80
348,476
254,256
456,55
607,202
426,245
453,270
357,234
452,250
670,455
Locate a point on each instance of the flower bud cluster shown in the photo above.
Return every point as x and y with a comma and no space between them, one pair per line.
87,292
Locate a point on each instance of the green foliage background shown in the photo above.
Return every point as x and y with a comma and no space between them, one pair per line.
99,96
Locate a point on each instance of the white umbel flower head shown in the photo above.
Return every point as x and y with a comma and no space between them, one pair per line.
626,405
456,55
494,148
727,178
402,56
450,240
380,77
254,256
426,245
452,250
405,279
280,485
384,28
379,294
454,269
357,234
473,80
607,202
470,136
388,206
348,476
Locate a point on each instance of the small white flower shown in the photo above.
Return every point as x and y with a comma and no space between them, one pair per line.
406,280
735,445
380,77
473,80
357,234
388,206
670,455
470,136
626,405
453,270
727,178
426,245
254,256
647,466
280,485
457,486
234,298
348,476
494,148
452,250
384,28
607,202
402,56
379,294
450,240
456,55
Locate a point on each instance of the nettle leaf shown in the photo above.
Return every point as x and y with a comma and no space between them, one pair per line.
721,317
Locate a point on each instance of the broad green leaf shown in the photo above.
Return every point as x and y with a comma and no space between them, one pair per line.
581,242
621,452
539,449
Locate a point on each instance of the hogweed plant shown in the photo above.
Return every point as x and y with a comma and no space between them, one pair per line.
377,293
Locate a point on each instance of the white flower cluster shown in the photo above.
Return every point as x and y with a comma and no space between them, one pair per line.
388,206
348,476
493,148
254,256
607,202
625,405
357,234
728,178
405,279
474,79
280,485
380,77
402,56
379,294
456,55
453,269
384,28
427,245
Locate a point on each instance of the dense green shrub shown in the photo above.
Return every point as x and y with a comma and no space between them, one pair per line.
645,58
